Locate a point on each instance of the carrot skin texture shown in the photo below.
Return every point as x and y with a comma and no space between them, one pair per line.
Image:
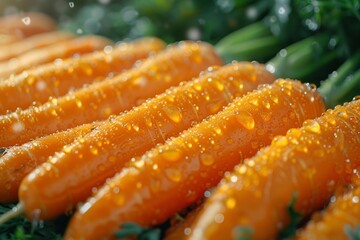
12,50
64,49
90,160
8,39
18,161
27,24
310,162
56,79
171,176
330,224
112,96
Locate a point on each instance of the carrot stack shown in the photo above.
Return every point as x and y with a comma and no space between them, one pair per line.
56,79
108,148
41,40
64,49
171,176
112,96
308,163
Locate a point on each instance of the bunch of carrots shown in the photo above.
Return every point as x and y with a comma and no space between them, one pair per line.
123,139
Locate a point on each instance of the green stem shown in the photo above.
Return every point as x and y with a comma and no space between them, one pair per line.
343,84
303,59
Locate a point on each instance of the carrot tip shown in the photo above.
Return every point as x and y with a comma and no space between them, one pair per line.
13,213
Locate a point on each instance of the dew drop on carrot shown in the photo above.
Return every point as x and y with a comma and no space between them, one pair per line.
218,130
313,126
18,127
230,203
173,113
173,174
219,85
94,150
135,127
119,199
66,149
254,101
138,163
171,155
111,159
207,159
245,119
100,167
266,104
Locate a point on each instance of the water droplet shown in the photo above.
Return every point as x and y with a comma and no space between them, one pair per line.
111,159
280,141
18,127
71,4
101,167
172,155
135,127
312,126
67,149
355,199
220,86
266,104
173,174
219,218
230,203
207,159
119,199
254,101
26,20
217,130
246,120
173,113
94,150
148,122
138,163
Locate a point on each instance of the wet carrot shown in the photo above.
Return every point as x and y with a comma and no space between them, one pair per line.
337,220
18,161
112,96
41,40
171,176
309,162
102,153
26,24
56,79
64,49
237,79
7,39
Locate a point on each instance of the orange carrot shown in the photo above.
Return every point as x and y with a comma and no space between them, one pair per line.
41,40
56,79
50,53
309,162
171,176
26,24
101,154
337,221
19,161
7,39
112,96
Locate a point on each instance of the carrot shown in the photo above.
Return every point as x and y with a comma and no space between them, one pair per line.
171,176
56,79
26,24
7,39
101,154
41,40
50,53
337,220
18,161
112,96
309,162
